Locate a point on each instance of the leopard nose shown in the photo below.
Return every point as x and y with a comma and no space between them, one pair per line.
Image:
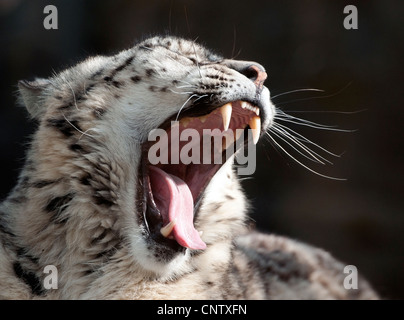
252,70
256,73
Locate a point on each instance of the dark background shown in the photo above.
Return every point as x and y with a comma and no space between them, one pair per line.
303,44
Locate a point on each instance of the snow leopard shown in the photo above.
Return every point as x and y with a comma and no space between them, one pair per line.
91,203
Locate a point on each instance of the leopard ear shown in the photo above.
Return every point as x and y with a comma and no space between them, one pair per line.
31,94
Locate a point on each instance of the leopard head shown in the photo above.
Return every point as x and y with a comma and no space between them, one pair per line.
106,126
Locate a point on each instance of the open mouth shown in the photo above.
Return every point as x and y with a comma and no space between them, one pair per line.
177,167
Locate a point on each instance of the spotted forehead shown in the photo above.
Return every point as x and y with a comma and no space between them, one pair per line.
181,46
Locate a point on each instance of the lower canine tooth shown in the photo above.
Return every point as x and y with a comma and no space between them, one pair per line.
203,118
227,140
166,230
185,121
255,125
239,132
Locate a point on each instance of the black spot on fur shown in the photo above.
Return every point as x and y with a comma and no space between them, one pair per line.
125,64
64,126
175,82
29,278
89,88
22,253
99,112
57,203
117,84
77,98
76,147
150,72
120,68
65,106
57,206
88,272
135,79
43,183
105,255
85,180
102,200
215,206
229,197
108,79
97,73
99,238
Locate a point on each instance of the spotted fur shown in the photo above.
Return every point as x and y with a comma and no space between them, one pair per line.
75,204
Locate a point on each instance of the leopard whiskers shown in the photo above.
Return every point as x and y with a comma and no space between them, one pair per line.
196,58
309,98
281,136
282,116
299,137
187,86
74,95
295,144
295,91
278,146
326,111
183,92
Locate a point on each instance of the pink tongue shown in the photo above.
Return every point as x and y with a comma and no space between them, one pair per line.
174,201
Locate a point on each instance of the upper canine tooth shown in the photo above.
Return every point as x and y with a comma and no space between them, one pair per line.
226,111
255,125
166,230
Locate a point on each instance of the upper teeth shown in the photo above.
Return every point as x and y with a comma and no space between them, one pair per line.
226,112
246,105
